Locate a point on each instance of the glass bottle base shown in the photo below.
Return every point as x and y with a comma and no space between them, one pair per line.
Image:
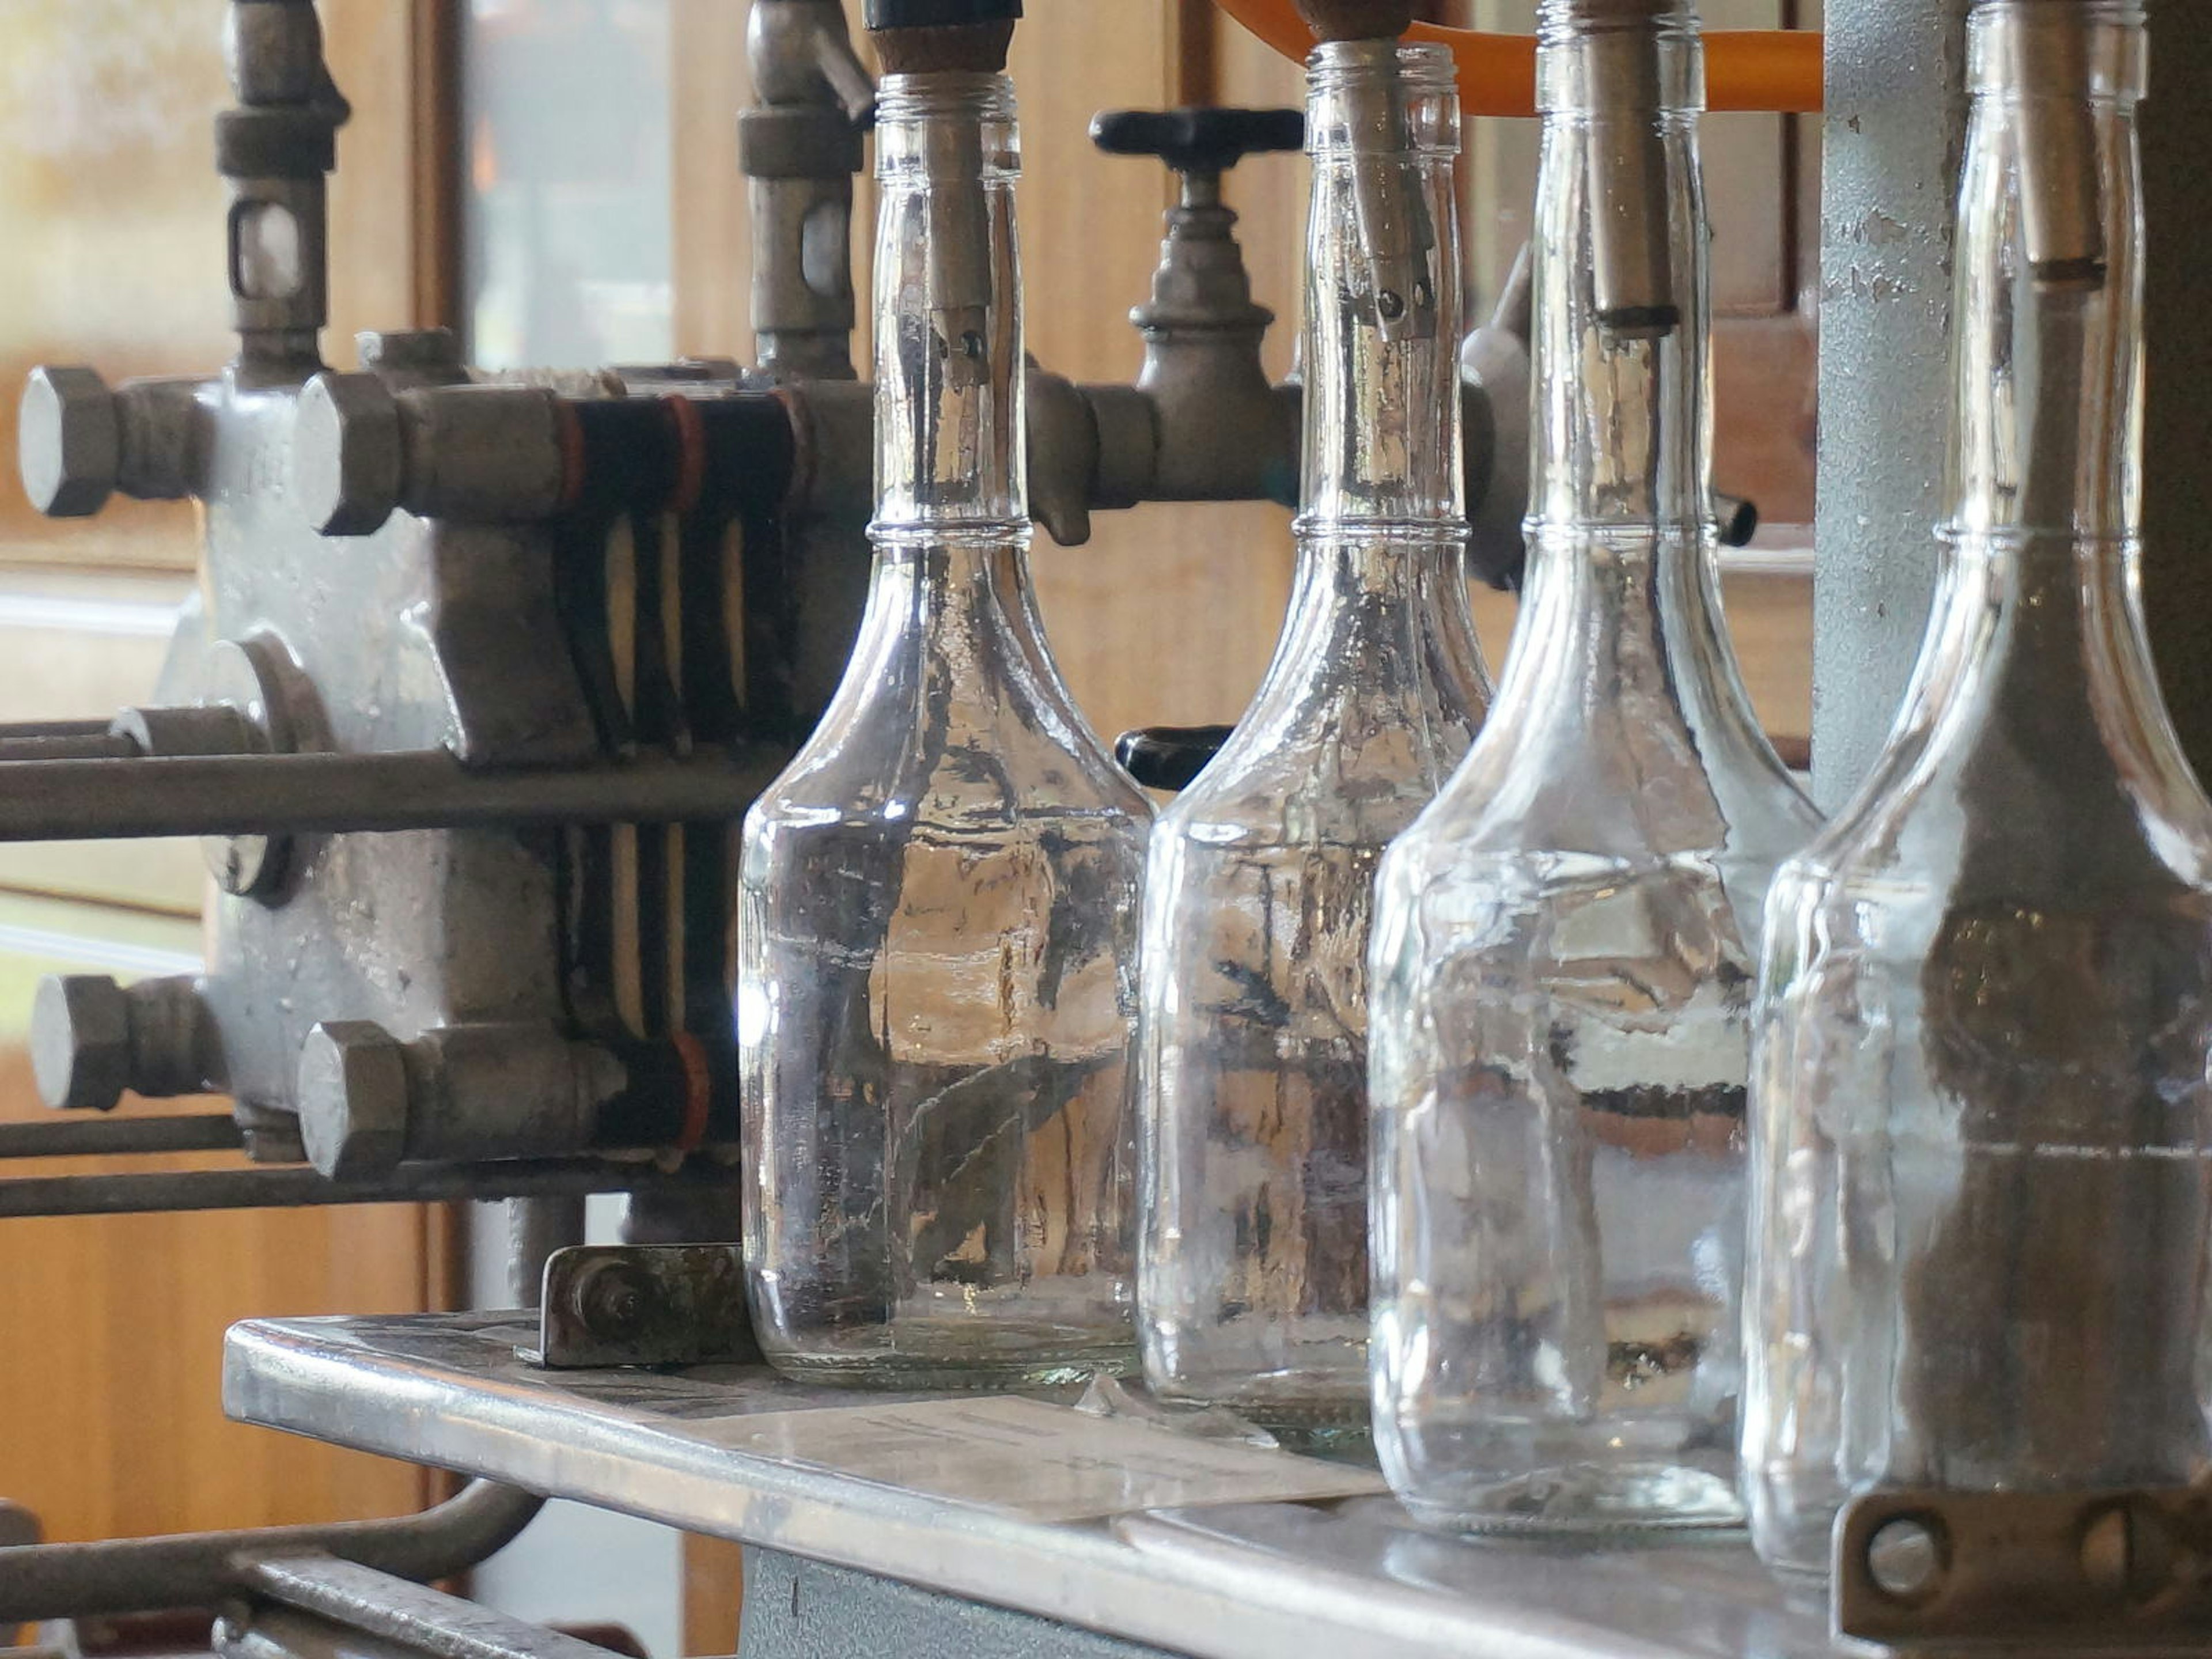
1585,1499
967,1359
1306,1415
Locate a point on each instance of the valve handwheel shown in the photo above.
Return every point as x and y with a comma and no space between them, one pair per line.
1198,140
1771,69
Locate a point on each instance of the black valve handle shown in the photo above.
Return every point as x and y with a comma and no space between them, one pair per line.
938,14
1198,140
1169,757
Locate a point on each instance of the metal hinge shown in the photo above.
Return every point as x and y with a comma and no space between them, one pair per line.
2105,1568
644,1305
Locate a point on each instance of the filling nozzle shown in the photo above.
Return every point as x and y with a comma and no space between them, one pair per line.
959,294
2061,180
969,37
1614,54
1397,242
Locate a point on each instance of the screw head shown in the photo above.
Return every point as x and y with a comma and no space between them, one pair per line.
347,453
613,1300
81,1042
352,1097
69,445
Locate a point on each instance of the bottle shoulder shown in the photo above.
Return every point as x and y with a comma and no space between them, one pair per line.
889,755
1978,820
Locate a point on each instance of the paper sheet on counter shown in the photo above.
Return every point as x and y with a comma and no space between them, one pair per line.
1025,1457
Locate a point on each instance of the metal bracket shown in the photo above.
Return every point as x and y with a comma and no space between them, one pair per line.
644,1305
2117,1569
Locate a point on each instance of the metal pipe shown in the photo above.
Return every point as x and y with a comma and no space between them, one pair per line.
199,1569
305,794
1772,69
125,1137
535,1228
292,1187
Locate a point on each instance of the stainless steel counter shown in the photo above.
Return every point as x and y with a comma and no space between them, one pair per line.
736,1452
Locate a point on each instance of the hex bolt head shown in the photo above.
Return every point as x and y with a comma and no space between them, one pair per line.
69,445
352,1096
408,349
347,453
81,1042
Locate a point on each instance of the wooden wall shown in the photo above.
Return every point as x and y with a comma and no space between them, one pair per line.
111,1329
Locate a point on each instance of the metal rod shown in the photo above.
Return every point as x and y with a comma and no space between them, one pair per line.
67,745
305,794
119,1137
292,1187
199,1569
414,1618
11,730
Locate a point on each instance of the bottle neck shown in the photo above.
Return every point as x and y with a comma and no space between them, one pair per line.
950,461
1621,436
2048,360
2037,657
1382,441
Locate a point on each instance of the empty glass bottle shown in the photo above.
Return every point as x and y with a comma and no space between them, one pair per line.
1563,943
936,931
1980,1200
1253,1278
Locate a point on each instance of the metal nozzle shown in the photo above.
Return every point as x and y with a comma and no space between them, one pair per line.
2061,183
960,291
1631,236
1396,239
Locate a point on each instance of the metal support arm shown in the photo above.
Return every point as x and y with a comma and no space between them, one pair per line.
202,1569
303,794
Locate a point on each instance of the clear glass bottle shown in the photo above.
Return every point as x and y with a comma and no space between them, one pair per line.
1563,943
1980,1201
937,924
1253,1278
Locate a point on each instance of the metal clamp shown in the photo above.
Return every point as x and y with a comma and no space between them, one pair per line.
2116,1569
644,1305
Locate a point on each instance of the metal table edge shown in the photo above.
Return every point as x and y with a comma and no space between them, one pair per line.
1085,1576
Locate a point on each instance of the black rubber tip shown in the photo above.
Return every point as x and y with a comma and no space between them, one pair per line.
1169,757
938,14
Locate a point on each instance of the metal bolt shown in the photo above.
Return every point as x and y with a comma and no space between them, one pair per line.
612,1300
353,1098
81,1042
347,453
69,442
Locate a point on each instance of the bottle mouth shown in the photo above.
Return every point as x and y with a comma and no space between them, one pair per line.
1599,60
1379,97
2025,52
972,93
1421,69
1559,22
